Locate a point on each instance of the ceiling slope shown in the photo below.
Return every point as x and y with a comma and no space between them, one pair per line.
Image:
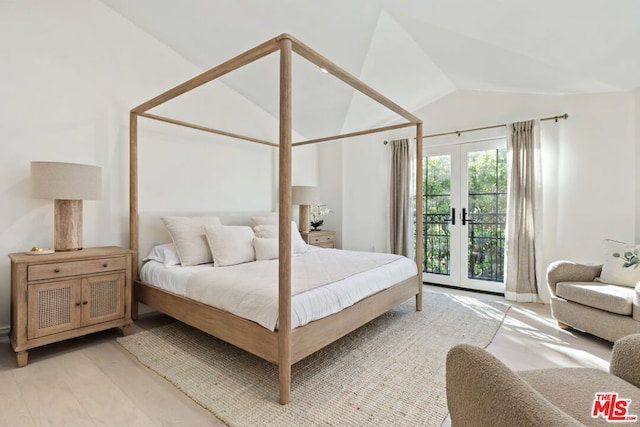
412,51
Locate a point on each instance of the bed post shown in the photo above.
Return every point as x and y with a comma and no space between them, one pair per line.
419,215
133,206
284,259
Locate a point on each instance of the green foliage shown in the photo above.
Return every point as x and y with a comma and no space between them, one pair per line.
631,258
438,184
488,171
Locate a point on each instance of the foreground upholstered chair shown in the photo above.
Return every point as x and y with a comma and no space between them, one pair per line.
482,391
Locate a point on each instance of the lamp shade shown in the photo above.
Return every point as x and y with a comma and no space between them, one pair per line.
305,195
65,181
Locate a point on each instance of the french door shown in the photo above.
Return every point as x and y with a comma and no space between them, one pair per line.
465,204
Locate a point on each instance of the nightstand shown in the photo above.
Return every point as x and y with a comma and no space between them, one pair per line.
321,238
68,294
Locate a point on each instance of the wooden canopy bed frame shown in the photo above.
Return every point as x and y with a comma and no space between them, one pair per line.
284,346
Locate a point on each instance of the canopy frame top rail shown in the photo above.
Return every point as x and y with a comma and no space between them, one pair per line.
256,53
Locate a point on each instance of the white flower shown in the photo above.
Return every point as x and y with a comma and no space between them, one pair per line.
319,211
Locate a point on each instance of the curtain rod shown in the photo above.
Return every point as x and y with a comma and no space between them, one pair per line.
564,116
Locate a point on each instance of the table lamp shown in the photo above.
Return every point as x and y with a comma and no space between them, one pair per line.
304,196
68,184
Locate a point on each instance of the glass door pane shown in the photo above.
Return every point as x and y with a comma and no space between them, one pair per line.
437,230
484,215
441,236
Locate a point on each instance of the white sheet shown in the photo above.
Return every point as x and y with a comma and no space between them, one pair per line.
343,281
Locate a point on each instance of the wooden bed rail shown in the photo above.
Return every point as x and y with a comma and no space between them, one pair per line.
205,129
352,134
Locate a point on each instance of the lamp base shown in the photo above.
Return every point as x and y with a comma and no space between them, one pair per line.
68,225
303,219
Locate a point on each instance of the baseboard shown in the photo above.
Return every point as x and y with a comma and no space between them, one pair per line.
513,296
459,288
4,330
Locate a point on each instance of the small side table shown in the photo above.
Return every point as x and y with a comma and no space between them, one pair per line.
64,295
321,238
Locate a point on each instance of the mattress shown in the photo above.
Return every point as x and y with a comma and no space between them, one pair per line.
324,281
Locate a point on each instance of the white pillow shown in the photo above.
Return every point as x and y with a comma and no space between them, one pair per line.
165,253
187,234
265,248
271,218
230,244
621,263
270,231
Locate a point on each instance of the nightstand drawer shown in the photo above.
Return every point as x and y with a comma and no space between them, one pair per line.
74,268
320,240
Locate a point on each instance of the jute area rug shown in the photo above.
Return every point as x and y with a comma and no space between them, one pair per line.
389,372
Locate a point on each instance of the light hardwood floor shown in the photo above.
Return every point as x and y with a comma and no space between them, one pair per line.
92,381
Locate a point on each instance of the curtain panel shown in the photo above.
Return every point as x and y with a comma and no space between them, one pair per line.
523,206
400,223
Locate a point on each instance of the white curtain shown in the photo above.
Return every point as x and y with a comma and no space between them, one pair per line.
400,223
524,207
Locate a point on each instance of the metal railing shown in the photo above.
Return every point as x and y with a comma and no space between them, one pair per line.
485,251
437,244
486,246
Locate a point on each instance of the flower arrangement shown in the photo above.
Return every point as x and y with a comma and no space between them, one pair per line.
317,213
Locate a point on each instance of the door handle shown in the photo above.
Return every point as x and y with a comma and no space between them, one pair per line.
465,220
453,217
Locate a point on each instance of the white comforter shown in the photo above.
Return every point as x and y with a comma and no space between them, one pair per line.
324,281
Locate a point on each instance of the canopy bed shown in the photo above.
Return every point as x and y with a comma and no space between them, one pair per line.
283,345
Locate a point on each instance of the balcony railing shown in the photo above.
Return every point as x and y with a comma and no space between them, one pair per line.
485,251
437,244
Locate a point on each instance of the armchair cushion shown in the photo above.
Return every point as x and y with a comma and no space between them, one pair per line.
611,298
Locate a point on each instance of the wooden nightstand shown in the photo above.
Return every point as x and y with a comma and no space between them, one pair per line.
68,294
321,238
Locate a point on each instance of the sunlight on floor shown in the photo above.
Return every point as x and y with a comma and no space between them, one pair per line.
478,307
529,337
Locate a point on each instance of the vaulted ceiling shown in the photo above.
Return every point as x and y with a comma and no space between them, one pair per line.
413,51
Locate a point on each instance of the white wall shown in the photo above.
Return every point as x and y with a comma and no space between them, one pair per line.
596,192
589,163
71,71
330,183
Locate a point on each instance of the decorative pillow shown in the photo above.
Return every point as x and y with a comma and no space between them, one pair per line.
272,218
270,231
230,244
165,253
187,234
265,248
621,264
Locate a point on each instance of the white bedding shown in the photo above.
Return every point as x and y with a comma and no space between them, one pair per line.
324,281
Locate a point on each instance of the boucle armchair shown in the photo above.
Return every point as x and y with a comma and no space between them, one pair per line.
579,300
483,391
